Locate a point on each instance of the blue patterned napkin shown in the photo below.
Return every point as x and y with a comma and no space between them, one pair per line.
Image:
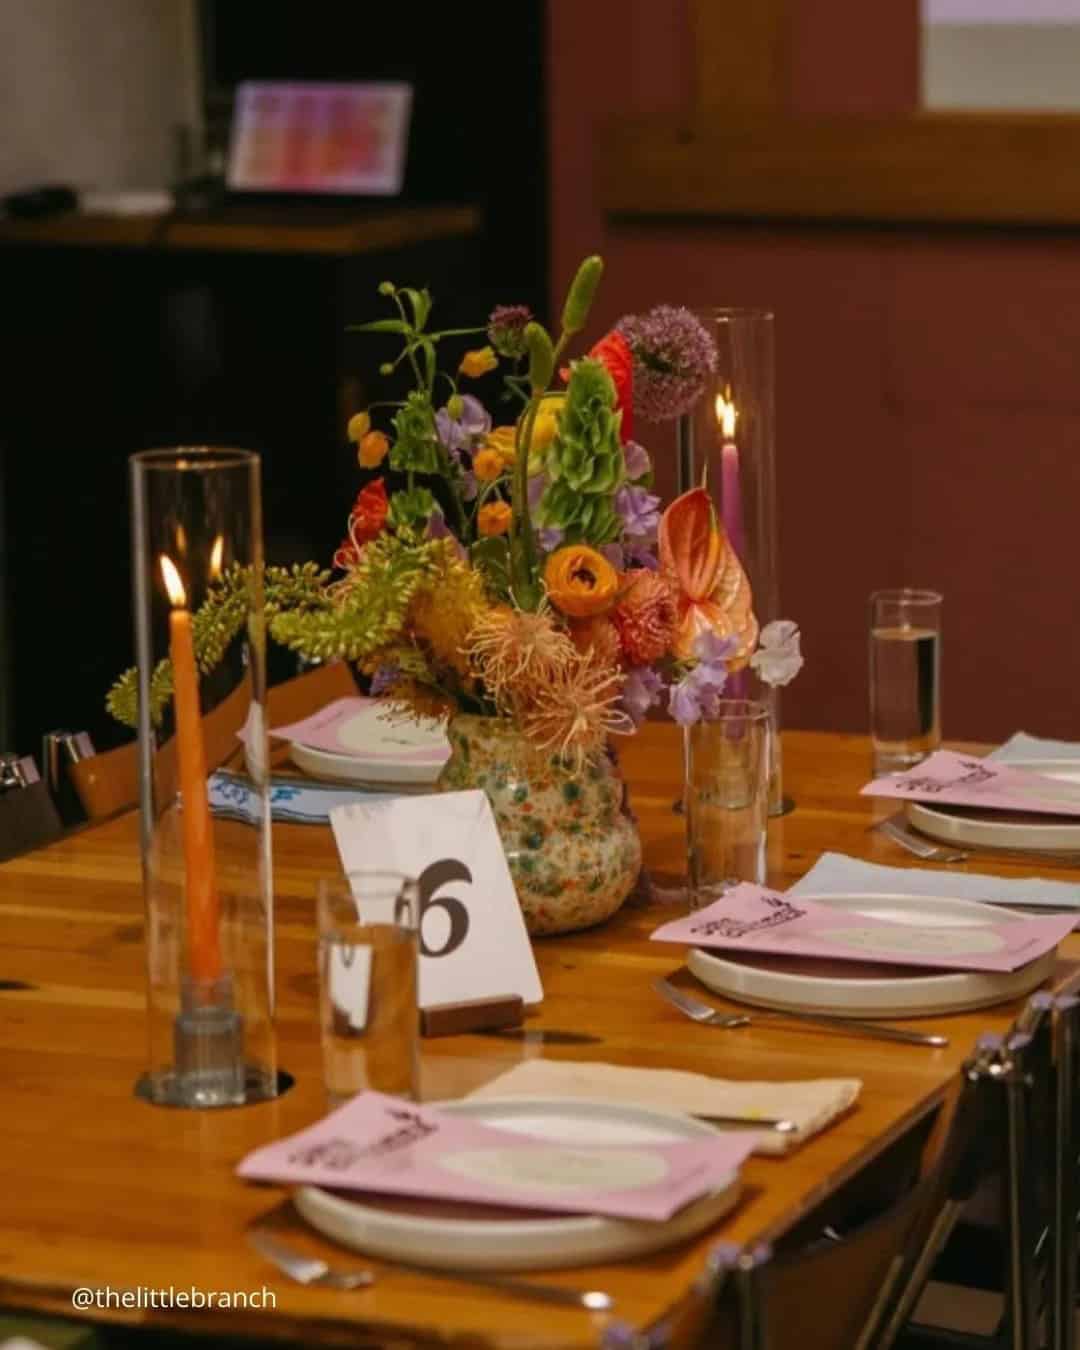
837,874
291,800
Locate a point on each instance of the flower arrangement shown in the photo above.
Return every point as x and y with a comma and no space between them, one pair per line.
524,569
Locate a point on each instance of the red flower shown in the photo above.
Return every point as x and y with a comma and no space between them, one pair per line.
366,520
614,353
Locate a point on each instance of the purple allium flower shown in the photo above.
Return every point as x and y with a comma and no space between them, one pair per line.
674,355
642,689
639,511
549,538
697,695
461,433
506,329
384,679
637,461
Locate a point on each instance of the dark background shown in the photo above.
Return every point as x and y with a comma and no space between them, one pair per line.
113,351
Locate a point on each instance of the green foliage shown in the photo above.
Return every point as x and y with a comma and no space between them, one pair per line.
416,444
585,460
410,509
580,296
492,556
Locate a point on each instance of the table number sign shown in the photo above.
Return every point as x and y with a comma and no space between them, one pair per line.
379,1143
965,780
473,942
751,919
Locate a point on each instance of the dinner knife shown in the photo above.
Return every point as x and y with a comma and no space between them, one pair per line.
541,1035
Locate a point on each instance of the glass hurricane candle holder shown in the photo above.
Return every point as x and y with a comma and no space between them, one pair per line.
201,689
727,442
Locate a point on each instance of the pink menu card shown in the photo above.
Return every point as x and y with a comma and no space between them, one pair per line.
751,919
966,780
384,1144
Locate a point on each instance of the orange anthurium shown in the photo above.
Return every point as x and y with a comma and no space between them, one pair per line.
691,544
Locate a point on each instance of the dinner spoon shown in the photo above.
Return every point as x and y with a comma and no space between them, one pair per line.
704,1013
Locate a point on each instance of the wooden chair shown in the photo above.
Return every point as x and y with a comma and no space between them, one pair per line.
852,1292
109,782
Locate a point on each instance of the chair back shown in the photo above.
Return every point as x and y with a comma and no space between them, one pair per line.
109,782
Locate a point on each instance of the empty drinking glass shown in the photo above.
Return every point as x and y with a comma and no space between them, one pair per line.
727,799
905,677
368,955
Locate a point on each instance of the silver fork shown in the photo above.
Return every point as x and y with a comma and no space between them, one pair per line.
704,1013
306,1269
901,833
310,1270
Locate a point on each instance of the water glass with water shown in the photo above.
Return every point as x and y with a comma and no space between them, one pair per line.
368,971
905,677
727,799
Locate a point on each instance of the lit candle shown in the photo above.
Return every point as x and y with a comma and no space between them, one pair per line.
204,948
730,486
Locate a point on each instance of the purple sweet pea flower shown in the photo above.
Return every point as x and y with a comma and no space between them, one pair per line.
778,658
641,555
384,679
458,434
639,511
549,537
711,649
437,528
642,689
637,461
537,486
469,486
614,554
697,695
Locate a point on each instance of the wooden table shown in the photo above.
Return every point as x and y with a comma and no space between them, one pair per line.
102,1189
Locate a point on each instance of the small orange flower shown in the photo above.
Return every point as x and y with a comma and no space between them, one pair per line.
487,465
646,616
372,450
478,362
503,441
358,427
494,519
580,581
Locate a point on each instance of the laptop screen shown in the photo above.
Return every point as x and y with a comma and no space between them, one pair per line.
319,138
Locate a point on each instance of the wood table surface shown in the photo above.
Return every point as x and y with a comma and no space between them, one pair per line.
100,1188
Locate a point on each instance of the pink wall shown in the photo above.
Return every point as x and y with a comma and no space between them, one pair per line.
928,410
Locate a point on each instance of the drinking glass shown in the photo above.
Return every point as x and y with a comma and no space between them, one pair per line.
905,677
368,956
727,799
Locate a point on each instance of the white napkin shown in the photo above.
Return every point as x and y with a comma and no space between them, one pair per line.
836,873
812,1104
1023,746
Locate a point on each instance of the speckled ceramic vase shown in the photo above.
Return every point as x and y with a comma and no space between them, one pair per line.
574,854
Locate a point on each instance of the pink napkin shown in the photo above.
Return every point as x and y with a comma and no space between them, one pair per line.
965,780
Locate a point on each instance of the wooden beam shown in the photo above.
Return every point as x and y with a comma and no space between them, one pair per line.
948,168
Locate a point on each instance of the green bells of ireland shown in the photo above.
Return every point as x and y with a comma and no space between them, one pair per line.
585,463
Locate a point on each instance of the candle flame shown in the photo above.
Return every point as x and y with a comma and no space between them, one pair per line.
173,584
726,415
217,552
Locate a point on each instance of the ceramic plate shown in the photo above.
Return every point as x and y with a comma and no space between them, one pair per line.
378,753
855,989
1004,829
473,1237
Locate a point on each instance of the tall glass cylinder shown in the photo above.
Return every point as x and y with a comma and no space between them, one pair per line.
197,573
727,441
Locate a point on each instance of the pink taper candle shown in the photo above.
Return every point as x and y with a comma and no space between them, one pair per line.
730,485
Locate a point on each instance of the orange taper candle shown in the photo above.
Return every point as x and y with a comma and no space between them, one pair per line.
204,946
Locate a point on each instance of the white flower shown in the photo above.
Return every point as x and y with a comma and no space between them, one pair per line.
778,658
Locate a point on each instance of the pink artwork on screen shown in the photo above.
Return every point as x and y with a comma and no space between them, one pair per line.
320,138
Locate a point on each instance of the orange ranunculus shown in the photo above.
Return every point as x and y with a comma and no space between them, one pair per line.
714,594
478,362
494,518
488,464
372,450
580,581
503,441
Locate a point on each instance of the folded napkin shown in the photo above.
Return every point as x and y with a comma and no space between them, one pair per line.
837,874
1023,746
291,800
811,1105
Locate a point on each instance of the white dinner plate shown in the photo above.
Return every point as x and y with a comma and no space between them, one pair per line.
473,1237
858,989
1004,829
377,752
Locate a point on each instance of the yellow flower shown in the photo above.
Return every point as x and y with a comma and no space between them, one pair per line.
544,430
488,465
359,426
580,581
478,362
494,518
372,450
446,609
503,441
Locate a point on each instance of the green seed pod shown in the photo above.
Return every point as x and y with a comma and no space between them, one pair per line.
386,288
386,368
541,356
579,297
455,406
